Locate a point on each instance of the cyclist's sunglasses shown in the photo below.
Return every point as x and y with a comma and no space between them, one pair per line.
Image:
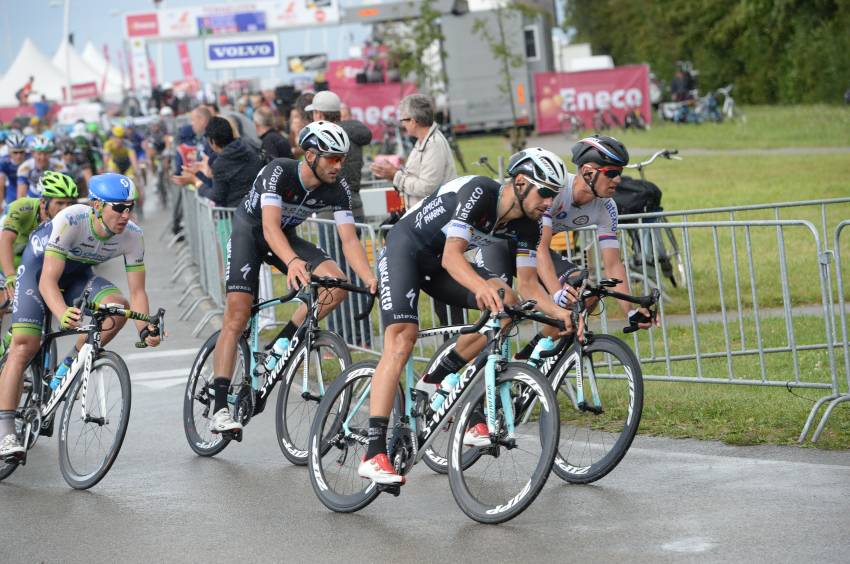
121,208
611,172
543,190
17,152
333,158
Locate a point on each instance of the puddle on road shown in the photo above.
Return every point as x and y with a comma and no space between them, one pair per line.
694,545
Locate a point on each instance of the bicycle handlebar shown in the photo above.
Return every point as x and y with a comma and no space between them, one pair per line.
157,320
666,153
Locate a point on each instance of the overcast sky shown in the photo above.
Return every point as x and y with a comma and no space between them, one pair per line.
98,21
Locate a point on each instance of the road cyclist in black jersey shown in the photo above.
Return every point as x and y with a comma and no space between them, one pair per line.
425,250
587,200
284,194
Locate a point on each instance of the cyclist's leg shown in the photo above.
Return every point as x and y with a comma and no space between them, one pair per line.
398,274
242,276
319,264
27,319
101,291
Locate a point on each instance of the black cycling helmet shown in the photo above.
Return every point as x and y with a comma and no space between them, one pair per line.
600,149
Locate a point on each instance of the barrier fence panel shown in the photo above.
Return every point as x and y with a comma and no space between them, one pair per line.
744,302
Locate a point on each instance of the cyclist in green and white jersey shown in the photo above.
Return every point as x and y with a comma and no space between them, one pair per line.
58,191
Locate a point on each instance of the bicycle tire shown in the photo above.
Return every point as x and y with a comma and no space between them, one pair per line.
69,441
288,420
330,447
605,440
202,441
467,484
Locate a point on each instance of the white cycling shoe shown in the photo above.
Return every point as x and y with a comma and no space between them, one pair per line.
223,422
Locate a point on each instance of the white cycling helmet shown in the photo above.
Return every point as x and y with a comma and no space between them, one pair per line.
326,137
539,165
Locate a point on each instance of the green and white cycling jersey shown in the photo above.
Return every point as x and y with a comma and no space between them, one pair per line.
73,238
21,219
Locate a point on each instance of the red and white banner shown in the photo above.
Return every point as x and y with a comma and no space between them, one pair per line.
584,93
82,91
185,59
370,103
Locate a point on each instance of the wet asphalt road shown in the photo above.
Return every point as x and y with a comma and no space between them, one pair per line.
668,501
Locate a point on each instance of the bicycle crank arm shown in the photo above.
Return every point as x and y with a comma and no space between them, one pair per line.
597,410
233,435
310,397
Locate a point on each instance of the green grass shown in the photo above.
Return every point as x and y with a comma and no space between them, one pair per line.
767,127
740,414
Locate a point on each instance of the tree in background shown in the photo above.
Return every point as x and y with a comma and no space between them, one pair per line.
785,51
409,45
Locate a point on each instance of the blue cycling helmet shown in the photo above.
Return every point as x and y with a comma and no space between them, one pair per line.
112,187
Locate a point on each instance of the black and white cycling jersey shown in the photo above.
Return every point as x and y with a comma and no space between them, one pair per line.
279,184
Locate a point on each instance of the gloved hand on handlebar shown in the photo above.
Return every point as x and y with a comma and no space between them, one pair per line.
150,335
70,318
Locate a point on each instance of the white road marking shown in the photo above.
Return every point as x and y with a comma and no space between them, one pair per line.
181,373
160,354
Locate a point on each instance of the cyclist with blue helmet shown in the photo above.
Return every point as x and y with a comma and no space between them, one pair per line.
57,268
17,148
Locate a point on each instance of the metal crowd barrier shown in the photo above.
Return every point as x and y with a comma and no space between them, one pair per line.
716,326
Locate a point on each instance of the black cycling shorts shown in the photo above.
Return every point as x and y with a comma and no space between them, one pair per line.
247,250
404,270
499,257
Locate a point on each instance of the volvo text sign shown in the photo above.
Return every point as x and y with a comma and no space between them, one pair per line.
239,52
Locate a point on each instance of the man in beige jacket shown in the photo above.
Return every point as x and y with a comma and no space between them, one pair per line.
430,164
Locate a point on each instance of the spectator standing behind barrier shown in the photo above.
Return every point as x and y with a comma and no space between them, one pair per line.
430,164
191,172
327,106
298,118
235,169
274,146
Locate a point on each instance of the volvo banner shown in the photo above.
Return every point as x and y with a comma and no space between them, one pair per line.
240,52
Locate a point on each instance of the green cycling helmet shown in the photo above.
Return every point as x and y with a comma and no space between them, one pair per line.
56,185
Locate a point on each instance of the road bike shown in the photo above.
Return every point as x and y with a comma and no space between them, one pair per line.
307,363
96,391
599,384
492,483
652,251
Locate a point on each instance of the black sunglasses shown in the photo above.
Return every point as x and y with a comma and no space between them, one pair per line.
121,208
544,191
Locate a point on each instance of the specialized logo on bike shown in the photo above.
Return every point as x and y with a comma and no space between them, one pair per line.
275,374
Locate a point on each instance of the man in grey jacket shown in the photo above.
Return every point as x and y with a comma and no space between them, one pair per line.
430,164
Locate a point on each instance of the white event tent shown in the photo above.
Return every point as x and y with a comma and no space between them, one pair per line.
49,80
80,71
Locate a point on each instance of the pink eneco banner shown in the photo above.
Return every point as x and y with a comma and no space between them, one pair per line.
618,90
369,103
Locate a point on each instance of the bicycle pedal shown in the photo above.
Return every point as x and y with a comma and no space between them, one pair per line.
584,406
394,489
233,436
